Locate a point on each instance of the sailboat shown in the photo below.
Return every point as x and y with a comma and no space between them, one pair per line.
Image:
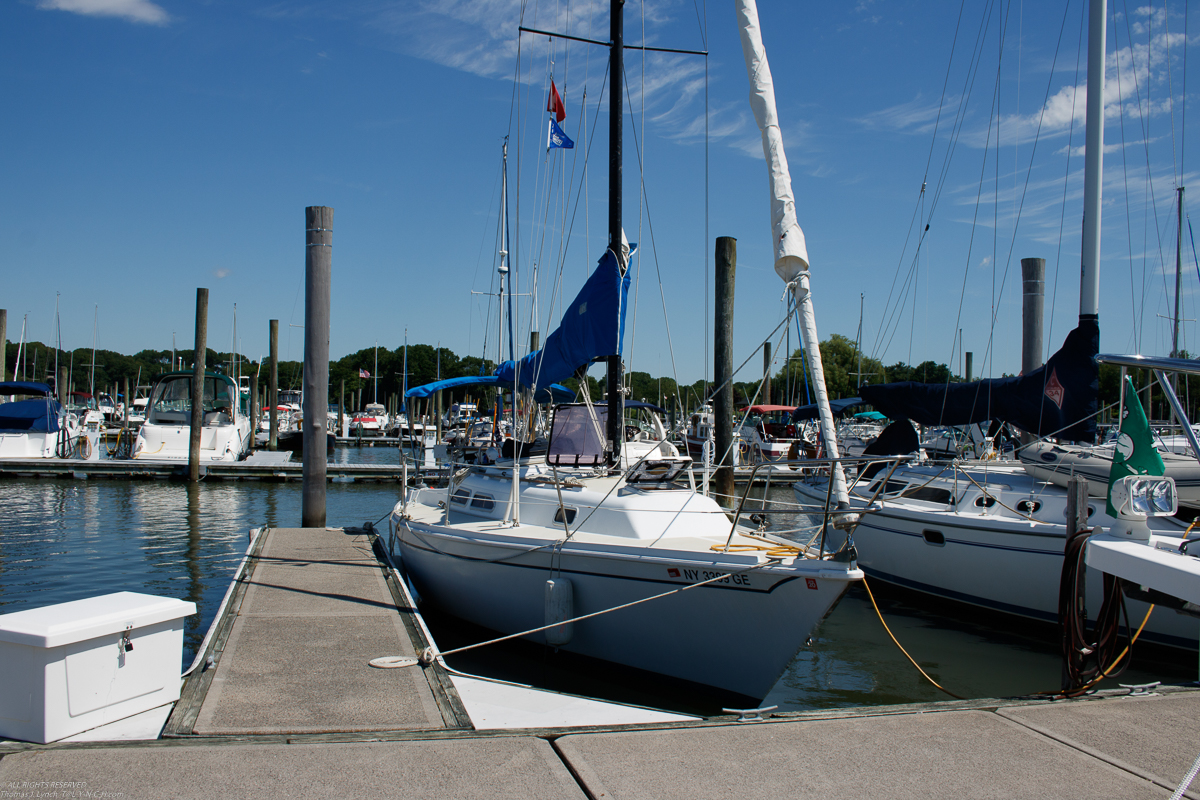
988,534
594,547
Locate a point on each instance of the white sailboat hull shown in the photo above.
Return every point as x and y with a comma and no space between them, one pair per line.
1002,563
737,634
1057,463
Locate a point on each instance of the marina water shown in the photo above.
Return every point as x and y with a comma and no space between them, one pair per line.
63,540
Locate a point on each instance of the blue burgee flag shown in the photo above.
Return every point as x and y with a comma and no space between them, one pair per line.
556,138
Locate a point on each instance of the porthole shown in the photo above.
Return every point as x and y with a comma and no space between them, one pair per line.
1029,506
558,515
985,501
934,537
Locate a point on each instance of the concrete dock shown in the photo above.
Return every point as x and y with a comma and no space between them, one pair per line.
290,707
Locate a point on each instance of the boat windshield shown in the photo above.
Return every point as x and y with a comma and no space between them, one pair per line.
171,403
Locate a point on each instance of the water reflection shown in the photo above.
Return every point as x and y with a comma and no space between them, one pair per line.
63,540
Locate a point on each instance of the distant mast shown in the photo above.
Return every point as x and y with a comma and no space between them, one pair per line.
791,253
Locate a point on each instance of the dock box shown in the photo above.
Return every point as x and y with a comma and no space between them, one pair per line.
71,667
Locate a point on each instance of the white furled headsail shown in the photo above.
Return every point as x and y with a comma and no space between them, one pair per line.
791,253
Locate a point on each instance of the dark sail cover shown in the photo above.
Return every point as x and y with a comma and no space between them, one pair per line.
1059,398
592,326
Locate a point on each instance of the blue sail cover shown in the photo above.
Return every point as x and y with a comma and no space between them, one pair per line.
592,326
551,394
38,416
1059,398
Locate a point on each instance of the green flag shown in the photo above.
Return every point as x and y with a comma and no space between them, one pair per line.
1134,453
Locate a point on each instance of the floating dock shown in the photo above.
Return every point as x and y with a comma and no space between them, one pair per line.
286,704
260,466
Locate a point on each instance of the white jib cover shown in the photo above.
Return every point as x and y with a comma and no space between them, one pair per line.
791,253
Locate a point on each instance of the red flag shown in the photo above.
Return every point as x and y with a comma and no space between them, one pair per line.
554,103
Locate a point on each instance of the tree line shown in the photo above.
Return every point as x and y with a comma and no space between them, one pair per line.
844,366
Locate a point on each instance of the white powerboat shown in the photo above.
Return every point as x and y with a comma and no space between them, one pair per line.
166,433
371,421
39,427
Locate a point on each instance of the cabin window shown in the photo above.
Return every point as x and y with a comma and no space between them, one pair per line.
1029,506
483,501
569,513
985,501
929,494
892,486
460,496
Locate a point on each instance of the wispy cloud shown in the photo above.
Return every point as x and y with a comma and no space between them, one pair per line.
140,11
1137,86
220,273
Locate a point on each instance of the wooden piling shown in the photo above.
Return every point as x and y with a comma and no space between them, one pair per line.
726,265
970,356
341,408
273,388
198,385
1033,281
318,263
3,344
255,410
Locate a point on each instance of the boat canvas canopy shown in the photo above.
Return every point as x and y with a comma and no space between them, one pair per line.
836,407
645,405
1059,398
593,326
25,387
767,409
38,416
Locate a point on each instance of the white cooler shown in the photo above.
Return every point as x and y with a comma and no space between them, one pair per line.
71,667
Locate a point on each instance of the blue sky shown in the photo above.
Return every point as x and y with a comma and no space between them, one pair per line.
154,147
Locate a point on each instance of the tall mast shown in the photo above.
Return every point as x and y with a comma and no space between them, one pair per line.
1089,278
1178,272
616,72
375,396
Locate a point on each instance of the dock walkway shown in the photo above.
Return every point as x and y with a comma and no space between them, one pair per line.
291,655
291,708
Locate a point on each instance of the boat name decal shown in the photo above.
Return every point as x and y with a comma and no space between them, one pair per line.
716,577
